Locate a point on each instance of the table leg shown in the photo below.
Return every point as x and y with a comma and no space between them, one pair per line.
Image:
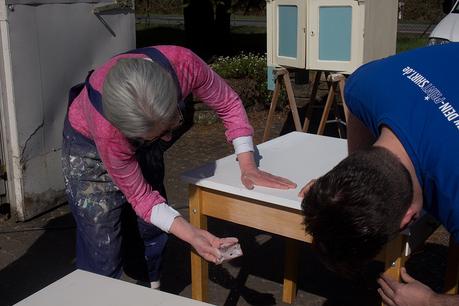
395,256
199,267
291,270
452,272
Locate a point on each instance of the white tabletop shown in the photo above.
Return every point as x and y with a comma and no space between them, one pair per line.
81,288
297,156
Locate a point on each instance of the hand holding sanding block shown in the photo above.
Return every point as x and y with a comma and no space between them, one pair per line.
229,252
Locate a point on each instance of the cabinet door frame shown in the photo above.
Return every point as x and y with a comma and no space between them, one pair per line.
313,34
300,60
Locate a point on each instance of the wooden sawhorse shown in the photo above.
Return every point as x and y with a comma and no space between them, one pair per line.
282,74
335,81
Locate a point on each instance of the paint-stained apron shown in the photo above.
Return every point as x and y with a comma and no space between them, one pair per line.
110,237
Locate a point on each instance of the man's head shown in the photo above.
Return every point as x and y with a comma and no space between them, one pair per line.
140,99
354,209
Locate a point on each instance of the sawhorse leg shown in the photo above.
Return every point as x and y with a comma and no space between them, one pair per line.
282,73
312,100
199,267
334,81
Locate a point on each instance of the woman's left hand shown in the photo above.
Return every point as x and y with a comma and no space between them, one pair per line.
251,176
257,177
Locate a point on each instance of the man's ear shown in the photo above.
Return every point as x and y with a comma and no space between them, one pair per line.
410,215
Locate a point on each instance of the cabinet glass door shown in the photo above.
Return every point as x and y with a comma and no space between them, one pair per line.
335,34
289,20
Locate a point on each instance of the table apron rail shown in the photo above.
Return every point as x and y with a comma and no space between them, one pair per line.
271,218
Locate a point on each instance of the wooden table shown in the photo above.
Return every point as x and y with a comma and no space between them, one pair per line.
89,289
216,191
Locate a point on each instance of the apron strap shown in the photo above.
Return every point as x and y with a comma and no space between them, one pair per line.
156,56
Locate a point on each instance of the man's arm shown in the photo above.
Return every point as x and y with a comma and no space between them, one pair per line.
445,300
358,135
412,293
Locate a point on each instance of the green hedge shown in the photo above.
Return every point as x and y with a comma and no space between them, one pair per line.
246,74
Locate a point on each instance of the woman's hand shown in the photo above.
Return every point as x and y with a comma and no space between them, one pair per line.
206,244
251,176
256,177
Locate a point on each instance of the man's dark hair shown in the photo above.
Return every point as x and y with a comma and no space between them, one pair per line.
357,207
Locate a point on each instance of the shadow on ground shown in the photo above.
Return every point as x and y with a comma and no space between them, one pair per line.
263,258
48,259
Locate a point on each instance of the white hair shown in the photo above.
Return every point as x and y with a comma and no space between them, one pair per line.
138,96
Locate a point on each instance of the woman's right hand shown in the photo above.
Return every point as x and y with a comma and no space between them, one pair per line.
206,244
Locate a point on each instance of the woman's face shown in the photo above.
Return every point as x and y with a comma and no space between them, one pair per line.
164,134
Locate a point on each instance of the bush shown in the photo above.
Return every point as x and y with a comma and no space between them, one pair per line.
246,74
423,10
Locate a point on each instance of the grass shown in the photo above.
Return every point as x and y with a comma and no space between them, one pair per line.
405,43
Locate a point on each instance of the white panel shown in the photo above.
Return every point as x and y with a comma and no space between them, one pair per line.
297,156
89,289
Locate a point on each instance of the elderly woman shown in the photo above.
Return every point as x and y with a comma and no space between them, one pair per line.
119,123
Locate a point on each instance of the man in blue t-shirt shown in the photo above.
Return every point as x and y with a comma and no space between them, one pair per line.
403,138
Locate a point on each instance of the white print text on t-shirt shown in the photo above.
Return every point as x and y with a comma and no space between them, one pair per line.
432,94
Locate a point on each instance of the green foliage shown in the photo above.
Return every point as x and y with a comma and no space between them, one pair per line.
243,65
405,43
246,73
423,10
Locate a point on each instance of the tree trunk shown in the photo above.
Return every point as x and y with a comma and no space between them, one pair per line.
199,27
223,27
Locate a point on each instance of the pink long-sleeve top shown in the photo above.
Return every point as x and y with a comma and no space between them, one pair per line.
114,149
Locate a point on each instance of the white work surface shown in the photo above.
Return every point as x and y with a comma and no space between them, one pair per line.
297,156
81,288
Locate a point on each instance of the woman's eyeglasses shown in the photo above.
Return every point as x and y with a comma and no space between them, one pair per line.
169,131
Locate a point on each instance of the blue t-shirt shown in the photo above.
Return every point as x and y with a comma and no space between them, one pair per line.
416,95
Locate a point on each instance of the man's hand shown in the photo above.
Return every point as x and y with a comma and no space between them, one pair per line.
409,293
306,188
251,176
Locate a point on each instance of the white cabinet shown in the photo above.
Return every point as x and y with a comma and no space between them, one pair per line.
333,35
